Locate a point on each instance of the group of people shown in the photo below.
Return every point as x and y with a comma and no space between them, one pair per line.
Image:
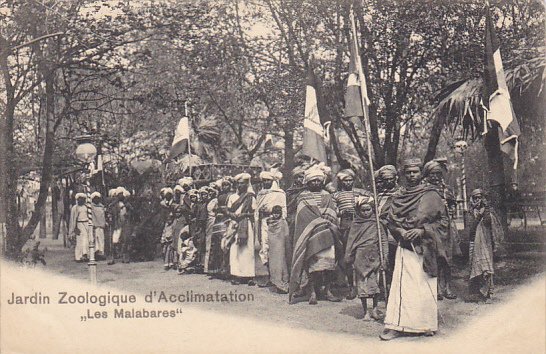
320,233
87,221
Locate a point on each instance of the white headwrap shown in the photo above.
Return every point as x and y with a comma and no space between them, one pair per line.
273,175
314,172
266,175
245,177
122,190
363,199
185,181
242,177
343,174
95,194
179,188
166,190
80,195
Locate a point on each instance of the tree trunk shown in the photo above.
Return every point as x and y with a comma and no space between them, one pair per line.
435,134
55,216
289,154
8,179
496,172
47,160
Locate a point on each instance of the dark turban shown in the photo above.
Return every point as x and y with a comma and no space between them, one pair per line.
432,166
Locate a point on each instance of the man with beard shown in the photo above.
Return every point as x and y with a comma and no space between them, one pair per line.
242,253
316,239
433,172
345,201
416,219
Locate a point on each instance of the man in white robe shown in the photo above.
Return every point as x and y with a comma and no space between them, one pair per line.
80,229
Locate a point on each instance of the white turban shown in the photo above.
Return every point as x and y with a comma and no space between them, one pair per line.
343,174
242,177
266,175
179,188
80,195
95,195
122,190
112,192
313,173
273,174
327,170
166,190
185,181
363,199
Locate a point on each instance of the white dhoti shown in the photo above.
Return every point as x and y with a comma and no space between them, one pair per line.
99,240
82,240
412,303
241,257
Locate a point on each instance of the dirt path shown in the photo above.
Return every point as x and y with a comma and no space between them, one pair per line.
342,317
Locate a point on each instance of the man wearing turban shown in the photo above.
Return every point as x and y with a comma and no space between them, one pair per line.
79,228
292,195
121,213
217,259
345,201
386,179
433,172
243,253
416,219
268,197
316,239
99,223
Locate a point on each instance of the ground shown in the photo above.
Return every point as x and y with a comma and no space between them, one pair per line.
520,266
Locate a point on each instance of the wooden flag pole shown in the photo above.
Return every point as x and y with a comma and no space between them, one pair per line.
189,129
364,101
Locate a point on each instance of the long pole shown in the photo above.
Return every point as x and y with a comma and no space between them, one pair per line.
92,263
364,101
189,130
463,185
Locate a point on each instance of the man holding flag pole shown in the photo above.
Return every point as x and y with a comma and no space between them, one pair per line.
356,107
415,219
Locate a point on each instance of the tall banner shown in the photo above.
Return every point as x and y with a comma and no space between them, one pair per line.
498,106
181,139
314,134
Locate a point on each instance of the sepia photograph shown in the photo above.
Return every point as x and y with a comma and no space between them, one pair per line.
272,176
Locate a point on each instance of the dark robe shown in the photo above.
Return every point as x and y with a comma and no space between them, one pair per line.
422,207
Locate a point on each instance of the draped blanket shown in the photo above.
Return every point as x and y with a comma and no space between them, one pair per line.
315,231
487,241
363,236
243,208
278,247
420,207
